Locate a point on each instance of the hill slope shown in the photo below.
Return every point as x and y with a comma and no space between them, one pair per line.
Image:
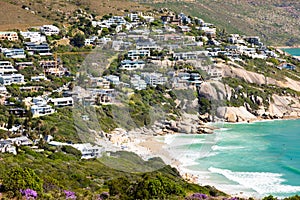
14,16
49,11
277,22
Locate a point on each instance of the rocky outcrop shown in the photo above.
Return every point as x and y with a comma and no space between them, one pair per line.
284,106
235,114
215,90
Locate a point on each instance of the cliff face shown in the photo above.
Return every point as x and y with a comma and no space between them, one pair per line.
274,103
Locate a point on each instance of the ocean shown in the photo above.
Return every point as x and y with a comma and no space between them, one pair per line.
251,159
292,51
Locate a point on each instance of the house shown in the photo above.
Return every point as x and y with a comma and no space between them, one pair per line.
136,54
113,79
42,49
49,30
8,79
6,67
147,46
38,78
11,36
3,90
99,82
148,19
154,79
31,88
62,102
14,53
138,83
20,112
253,40
184,29
7,147
40,107
88,150
134,17
287,66
53,67
23,65
132,65
34,37
21,141
40,110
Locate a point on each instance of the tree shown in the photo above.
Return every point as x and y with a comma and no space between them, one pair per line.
22,178
11,121
78,40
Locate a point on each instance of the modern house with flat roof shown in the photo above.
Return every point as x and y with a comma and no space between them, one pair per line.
14,53
132,65
62,102
8,79
6,67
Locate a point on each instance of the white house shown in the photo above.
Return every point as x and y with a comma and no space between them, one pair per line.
155,79
14,53
138,83
49,30
136,54
7,147
132,65
40,110
38,78
88,150
61,102
8,79
40,107
113,79
6,67
34,37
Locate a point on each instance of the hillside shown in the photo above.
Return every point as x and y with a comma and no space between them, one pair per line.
13,16
45,11
275,22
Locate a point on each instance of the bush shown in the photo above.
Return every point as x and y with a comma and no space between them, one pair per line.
18,178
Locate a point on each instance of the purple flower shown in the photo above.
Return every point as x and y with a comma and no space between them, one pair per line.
197,196
70,194
29,194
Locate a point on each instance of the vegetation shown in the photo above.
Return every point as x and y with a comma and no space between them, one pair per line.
87,178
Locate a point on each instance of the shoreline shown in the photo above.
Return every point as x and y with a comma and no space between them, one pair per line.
159,148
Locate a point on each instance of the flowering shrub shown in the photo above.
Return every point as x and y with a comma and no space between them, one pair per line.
70,194
197,196
29,194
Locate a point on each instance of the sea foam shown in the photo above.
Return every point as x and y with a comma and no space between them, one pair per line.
263,183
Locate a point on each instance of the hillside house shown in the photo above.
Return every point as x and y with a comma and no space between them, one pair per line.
88,150
184,29
42,49
49,30
113,79
23,65
8,79
138,83
10,36
132,65
154,79
14,53
34,37
6,67
136,54
62,102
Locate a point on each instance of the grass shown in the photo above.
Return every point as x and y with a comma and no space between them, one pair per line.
14,17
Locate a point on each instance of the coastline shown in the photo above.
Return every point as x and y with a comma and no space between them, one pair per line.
157,148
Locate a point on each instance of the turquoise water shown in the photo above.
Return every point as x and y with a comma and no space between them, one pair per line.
255,159
293,51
